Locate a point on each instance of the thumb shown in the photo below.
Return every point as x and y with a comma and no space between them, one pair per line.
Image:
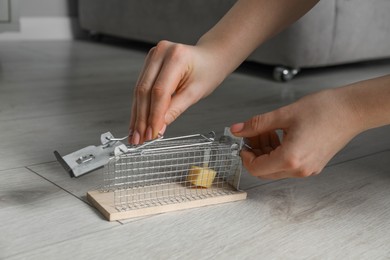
259,124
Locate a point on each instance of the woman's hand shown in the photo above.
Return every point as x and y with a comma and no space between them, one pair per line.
174,77
314,129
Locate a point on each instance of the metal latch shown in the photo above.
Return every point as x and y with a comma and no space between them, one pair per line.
92,157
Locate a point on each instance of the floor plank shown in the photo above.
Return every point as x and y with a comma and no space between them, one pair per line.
342,213
66,85
35,213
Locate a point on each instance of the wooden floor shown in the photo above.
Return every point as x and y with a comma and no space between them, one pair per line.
63,95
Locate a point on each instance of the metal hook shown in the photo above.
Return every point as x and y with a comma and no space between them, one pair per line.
116,139
159,136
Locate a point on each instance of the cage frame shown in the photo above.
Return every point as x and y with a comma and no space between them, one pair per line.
224,187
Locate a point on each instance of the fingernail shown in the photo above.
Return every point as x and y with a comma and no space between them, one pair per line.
236,128
149,133
162,131
136,137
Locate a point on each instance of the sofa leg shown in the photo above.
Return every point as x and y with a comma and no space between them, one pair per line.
283,74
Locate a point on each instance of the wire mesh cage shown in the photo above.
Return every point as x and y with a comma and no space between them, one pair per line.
173,173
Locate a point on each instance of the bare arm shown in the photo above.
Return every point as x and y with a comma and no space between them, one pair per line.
247,25
371,101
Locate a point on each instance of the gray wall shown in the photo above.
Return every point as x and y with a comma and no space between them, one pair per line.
48,8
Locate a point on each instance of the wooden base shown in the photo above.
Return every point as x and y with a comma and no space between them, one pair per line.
104,202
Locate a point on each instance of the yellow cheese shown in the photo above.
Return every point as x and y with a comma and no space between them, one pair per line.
201,176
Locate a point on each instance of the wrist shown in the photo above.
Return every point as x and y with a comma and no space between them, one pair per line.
214,55
349,110
223,53
368,102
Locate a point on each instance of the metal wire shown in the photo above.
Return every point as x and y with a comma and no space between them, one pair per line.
173,170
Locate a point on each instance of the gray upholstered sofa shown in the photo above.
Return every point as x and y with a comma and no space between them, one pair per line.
333,32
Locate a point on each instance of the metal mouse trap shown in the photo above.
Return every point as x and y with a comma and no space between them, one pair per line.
165,174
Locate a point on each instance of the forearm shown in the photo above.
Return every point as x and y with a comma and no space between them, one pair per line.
368,102
247,25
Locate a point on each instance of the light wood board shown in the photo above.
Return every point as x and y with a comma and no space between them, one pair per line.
105,203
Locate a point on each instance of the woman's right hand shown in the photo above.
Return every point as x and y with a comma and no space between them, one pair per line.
174,77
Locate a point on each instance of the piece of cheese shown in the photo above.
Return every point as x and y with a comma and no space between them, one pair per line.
201,176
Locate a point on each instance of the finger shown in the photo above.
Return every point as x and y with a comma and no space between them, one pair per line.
140,123
134,98
265,143
261,123
166,84
257,152
162,131
270,142
143,94
132,119
294,173
253,142
262,165
180,102
274,140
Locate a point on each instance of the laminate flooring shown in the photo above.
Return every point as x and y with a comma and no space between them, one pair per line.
61,95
